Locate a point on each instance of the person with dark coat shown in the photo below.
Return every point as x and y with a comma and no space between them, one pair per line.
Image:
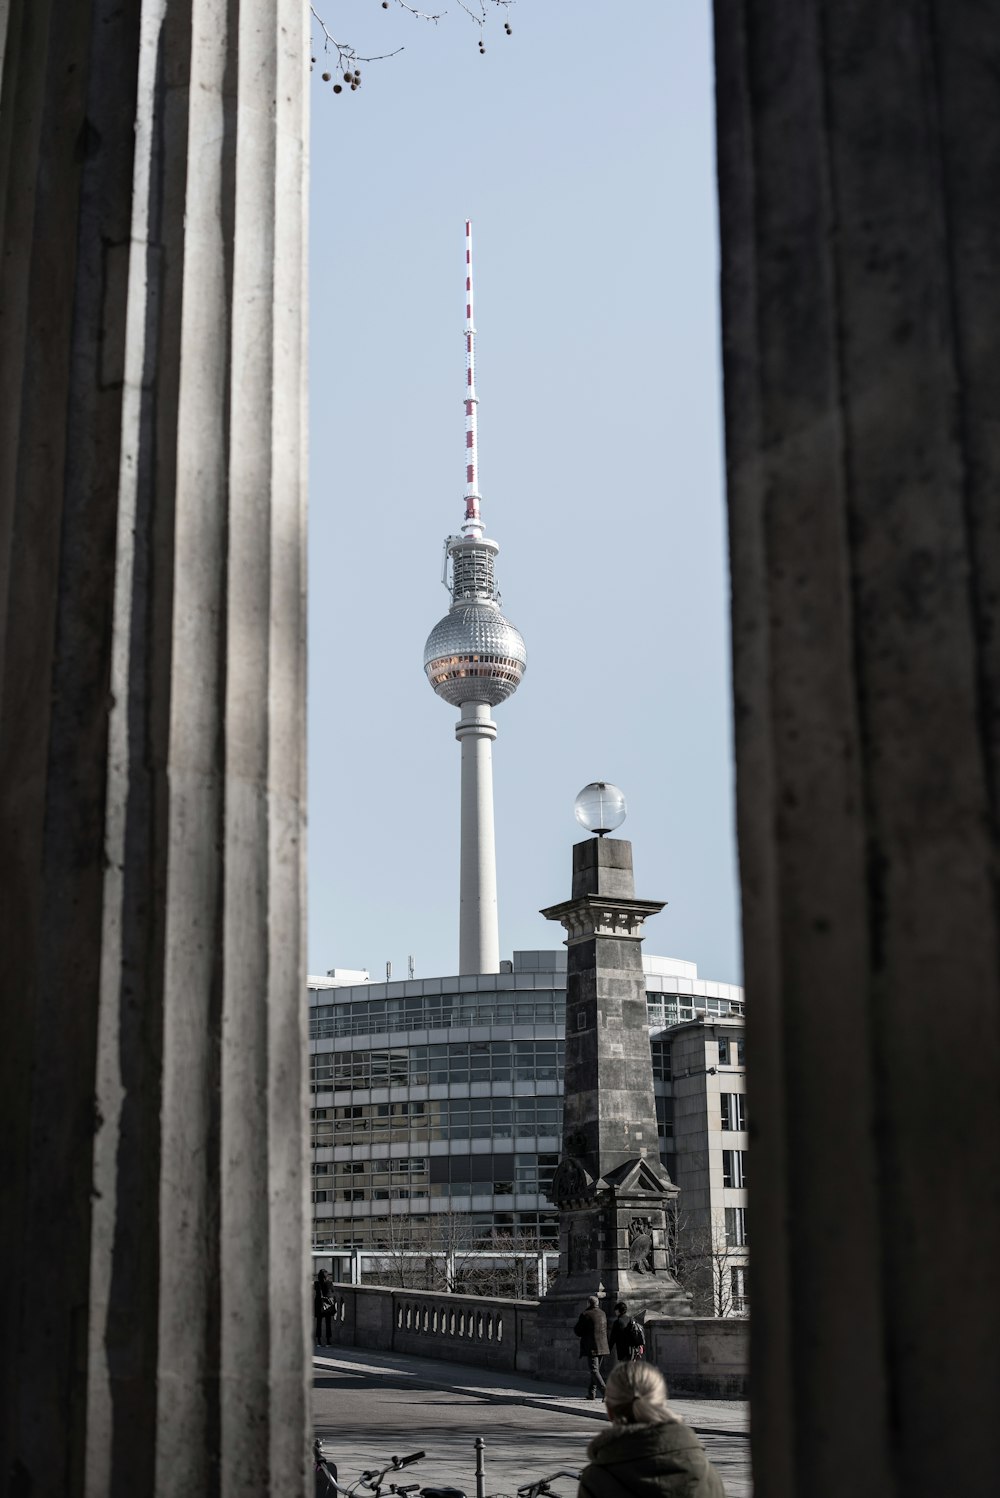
649,1451
323,1307
621,1334
592,1329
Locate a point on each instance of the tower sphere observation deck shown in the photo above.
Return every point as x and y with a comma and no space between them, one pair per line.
474,654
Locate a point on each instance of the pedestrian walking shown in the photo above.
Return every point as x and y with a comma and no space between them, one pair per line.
323,1308
625,1336
592,1329
648,1451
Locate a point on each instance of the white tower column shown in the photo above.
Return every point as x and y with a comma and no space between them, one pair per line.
478,933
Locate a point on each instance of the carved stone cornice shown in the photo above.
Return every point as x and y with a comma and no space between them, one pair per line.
589,916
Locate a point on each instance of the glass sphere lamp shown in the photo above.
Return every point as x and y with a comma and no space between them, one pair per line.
600,807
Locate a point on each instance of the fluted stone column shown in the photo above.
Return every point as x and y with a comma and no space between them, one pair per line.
861,301
152,462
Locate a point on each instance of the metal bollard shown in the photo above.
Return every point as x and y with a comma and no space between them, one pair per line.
480,1468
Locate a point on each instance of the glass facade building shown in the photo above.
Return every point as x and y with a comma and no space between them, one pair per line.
437,1103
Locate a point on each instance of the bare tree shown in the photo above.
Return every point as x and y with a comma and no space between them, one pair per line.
341,60
703,1261
448,1253
432,1253
395,1264
500,1268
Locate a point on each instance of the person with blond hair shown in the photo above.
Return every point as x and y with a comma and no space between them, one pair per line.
649,1452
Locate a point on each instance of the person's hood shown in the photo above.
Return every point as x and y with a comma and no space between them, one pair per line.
629,1443
665,1460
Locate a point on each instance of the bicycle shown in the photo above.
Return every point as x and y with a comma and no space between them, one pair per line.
541,1489
373,1480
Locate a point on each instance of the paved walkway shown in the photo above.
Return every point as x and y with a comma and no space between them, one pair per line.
369,1406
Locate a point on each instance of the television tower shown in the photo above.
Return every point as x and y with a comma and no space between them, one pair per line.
474,658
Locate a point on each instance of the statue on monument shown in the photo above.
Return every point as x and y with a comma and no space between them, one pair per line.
569,1181
640,1248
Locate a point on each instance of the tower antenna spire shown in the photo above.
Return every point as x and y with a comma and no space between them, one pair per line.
473,526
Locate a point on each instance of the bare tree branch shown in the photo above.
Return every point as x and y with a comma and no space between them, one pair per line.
348,57
703,1261
422,15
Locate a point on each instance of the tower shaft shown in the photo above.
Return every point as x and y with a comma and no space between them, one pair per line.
478,927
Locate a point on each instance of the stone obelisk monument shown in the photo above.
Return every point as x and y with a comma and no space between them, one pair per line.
610,1186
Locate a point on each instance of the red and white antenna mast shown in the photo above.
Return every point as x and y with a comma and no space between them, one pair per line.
473,526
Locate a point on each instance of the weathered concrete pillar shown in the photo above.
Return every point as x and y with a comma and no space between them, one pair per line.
860,240
152,453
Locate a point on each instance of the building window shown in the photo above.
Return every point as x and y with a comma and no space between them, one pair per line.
321,1072
413,1167
739,1282
660,1051
732,1050
736,1227
478,1061
665,1118
434,1011
734,1168
443,1118
734,1111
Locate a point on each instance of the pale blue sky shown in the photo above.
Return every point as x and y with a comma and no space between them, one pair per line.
582,148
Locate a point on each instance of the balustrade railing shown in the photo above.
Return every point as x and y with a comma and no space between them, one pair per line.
484,1330
698,1354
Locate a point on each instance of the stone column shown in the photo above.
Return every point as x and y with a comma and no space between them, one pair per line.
610,1185
152,460
860,240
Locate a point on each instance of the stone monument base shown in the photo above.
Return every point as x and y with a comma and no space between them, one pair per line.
558,1357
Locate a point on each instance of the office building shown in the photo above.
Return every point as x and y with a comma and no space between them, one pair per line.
437,1115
